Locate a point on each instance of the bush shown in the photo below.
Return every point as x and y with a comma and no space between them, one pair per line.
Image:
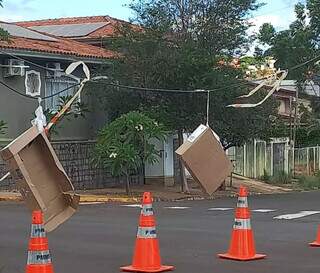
126,144
265,177
309,182
281,178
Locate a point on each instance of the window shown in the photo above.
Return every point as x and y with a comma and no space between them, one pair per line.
54,86
33,83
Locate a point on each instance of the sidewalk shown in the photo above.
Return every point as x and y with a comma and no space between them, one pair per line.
161,193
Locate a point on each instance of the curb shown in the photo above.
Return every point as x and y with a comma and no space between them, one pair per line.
105,199
11,199
87,198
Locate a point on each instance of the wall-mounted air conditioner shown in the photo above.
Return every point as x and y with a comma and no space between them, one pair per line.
14,67
54,70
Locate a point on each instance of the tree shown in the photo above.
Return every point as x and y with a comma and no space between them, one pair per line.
179,47
4,35
295,46
126,143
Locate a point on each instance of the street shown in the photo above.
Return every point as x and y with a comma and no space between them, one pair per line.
100,238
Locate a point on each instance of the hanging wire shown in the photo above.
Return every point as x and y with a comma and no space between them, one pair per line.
35,98
304,63
103,78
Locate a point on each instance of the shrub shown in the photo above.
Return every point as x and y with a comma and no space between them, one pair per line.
265,177
125,144
309,182
281,178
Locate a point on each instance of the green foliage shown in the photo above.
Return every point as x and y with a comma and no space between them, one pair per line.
4,35
297,44
77,110
309,182
3,127
267,33
125,144
218,26
280,178
175,51
266,177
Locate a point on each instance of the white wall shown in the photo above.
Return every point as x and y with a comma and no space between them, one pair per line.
157,169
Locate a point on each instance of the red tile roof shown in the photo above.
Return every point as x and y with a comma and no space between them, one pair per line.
108,30
60,46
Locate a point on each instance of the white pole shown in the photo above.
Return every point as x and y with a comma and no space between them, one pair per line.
255,158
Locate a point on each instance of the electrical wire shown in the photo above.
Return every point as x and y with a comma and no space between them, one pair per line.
103,78
302,64
177,91
35,98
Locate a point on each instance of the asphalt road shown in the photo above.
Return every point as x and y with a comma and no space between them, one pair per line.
100,238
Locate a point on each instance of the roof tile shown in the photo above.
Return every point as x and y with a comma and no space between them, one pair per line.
61,46
108,30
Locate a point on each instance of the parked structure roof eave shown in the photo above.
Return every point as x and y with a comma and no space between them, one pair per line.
48,55
282,88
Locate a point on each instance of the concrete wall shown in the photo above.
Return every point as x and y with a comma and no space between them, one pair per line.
18,111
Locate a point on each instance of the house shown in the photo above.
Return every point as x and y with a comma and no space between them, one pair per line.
29,53
284,95
92,30
30,50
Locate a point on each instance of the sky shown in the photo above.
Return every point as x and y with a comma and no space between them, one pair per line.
278,12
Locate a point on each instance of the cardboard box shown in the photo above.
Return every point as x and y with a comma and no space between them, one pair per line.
205,159
40,177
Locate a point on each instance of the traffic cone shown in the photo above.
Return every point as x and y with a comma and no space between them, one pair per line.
146,257
39,258
242,247
316,243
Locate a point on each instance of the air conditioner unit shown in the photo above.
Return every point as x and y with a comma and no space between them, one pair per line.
14,67
54,70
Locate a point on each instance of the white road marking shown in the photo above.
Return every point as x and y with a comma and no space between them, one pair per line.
222,209
132,206
296,215
264,210
177,207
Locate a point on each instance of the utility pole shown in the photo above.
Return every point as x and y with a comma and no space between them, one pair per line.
295,128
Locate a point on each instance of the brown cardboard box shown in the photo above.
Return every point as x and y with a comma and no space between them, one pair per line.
205,159
40,177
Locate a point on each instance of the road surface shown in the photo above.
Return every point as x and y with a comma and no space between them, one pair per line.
100,238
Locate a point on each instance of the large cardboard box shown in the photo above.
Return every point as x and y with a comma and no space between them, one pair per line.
205,159
40,177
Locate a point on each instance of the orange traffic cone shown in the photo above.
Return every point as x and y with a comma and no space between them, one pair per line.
39,258
242,247
316,243
146,256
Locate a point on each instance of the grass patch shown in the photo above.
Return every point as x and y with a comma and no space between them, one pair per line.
281,178
310,182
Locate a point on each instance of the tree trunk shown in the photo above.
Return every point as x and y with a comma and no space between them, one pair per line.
144,173
128,190
183,179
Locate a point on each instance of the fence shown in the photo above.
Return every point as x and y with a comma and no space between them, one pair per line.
76,158
257,158
307,160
